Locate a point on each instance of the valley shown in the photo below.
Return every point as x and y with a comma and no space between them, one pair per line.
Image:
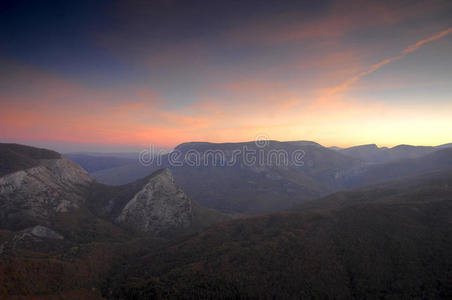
144,239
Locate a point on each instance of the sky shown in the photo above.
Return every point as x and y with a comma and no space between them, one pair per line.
114,76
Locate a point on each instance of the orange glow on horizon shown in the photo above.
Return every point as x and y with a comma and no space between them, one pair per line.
53,109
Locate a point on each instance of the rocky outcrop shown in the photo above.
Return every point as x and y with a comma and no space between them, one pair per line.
38,238
43,232
158,207
36,193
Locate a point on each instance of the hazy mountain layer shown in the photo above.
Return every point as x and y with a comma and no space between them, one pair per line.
440,160
265,187
224,177
94,163
373,154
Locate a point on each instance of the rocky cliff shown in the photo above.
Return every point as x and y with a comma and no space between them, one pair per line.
159,206
33,194
38,186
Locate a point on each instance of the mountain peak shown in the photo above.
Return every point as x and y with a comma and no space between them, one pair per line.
366,146
158,207
164,172
304,143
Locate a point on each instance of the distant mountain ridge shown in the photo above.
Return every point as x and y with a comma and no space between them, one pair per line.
234,187
134,170
371,153
93,163
440,160
259,187
237,188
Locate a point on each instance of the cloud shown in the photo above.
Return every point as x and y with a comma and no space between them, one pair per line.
384,62
435,37
266,73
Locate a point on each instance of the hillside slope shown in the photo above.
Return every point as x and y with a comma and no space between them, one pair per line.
391,241
15,157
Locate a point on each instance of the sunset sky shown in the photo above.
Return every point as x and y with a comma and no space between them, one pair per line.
120,75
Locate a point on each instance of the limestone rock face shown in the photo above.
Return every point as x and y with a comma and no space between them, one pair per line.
43,232
38,238
55,185
159,206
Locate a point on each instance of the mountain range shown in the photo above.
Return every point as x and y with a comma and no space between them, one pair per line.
374,154
266,187
328,225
